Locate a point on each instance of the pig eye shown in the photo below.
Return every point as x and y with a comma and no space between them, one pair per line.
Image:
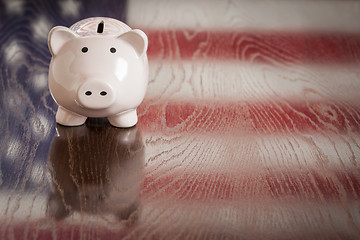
112,50
84,49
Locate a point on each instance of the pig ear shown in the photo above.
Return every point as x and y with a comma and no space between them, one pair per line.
58,36
137,39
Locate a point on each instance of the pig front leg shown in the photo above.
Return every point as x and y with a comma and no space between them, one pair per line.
68,118
124,120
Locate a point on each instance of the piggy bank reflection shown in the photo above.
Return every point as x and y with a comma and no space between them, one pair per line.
95,170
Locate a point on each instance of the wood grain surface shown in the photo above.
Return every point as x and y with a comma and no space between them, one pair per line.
250,128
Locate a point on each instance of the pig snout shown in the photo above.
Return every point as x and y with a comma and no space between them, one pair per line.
95,95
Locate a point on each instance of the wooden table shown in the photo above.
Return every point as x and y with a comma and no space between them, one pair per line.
250,128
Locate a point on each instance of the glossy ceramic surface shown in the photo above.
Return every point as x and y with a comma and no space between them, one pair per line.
99,68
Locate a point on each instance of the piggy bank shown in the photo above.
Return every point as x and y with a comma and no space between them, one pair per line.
99,68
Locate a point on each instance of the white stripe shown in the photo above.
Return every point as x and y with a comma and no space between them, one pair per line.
343,16
22,205
260,217
248,82
257,219
240,153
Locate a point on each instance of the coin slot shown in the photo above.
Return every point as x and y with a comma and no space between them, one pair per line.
100,28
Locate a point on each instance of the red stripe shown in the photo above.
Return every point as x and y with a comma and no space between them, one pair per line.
310,185
266,117
272,47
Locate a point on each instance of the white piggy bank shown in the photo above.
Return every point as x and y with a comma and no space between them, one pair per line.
99,68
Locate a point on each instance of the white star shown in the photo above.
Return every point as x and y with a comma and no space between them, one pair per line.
14,6
70,8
